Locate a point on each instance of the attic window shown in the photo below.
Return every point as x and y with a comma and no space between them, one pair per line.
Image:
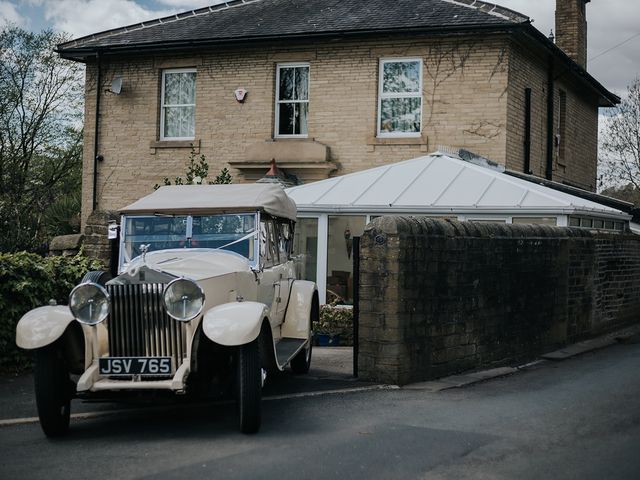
178,100
400,97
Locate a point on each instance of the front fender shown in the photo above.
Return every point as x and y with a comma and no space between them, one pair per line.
42,326
235,323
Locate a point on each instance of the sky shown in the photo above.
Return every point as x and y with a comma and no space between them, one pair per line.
613,25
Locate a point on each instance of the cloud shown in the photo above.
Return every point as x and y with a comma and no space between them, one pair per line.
610,23
9,14
540,12
83,17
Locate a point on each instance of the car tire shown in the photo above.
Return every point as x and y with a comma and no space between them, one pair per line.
301,363
249,387
53,392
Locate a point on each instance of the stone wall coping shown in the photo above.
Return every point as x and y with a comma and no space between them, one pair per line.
101,217
66,242
422,226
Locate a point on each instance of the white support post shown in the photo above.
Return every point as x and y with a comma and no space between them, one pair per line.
321,268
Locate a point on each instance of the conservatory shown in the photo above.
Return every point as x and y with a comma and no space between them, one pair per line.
332,212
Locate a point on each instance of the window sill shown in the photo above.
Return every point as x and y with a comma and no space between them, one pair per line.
175,144
419,140
302,138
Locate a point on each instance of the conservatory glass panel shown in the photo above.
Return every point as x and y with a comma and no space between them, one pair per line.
305,247
342,229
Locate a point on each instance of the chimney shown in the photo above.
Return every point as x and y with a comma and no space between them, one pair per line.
571,29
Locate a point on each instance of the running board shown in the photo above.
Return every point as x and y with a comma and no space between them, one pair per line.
287,348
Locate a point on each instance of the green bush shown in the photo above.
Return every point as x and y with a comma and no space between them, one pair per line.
336,321
28,281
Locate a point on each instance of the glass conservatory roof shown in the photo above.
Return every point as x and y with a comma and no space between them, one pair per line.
440,184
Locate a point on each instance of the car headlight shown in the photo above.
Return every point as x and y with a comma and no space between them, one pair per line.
183,299
89,303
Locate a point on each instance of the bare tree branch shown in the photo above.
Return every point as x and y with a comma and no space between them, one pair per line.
40,134
620,142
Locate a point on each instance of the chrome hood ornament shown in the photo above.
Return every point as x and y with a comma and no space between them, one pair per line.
144,249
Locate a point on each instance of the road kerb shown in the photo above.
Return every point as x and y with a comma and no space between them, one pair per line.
106,413
466,379
458,381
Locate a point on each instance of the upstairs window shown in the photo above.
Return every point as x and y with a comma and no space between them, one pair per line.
400,98
177,118
292,100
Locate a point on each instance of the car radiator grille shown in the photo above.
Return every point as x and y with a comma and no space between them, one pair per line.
139,325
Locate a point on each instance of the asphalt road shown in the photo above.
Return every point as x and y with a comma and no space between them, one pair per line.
576,419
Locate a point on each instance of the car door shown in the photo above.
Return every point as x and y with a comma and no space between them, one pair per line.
287,275
271,275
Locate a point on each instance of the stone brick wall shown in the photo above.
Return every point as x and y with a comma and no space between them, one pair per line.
96,241
575,156
468,102
440,297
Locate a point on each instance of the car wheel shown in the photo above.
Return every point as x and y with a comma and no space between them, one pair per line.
53,393
301,363
249,387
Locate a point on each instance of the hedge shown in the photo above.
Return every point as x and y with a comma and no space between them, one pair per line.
28,281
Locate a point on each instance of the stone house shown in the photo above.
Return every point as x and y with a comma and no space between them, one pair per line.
329,87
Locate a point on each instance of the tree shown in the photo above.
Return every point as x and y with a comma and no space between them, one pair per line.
620,143
40,137
626,193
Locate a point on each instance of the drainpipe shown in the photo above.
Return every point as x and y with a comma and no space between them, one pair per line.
96,157
527,131
550,108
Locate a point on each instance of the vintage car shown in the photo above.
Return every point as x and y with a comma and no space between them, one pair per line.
206,293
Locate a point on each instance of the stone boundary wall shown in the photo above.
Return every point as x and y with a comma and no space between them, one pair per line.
96,241
440,297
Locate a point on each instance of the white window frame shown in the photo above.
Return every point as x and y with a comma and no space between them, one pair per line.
383,96
162,105
482,218
278,101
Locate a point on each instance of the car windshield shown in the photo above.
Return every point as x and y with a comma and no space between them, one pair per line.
232,232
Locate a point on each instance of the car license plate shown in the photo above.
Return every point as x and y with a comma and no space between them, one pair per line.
136,366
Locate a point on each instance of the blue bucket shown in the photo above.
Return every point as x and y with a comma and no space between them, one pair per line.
326,340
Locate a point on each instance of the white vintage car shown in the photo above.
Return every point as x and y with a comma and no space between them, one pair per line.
207,293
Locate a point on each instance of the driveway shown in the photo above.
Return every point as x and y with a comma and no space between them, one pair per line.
576,419
331,369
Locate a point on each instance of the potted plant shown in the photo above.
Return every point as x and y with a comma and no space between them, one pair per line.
334,327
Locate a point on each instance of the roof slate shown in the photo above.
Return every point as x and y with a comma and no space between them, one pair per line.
252,19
